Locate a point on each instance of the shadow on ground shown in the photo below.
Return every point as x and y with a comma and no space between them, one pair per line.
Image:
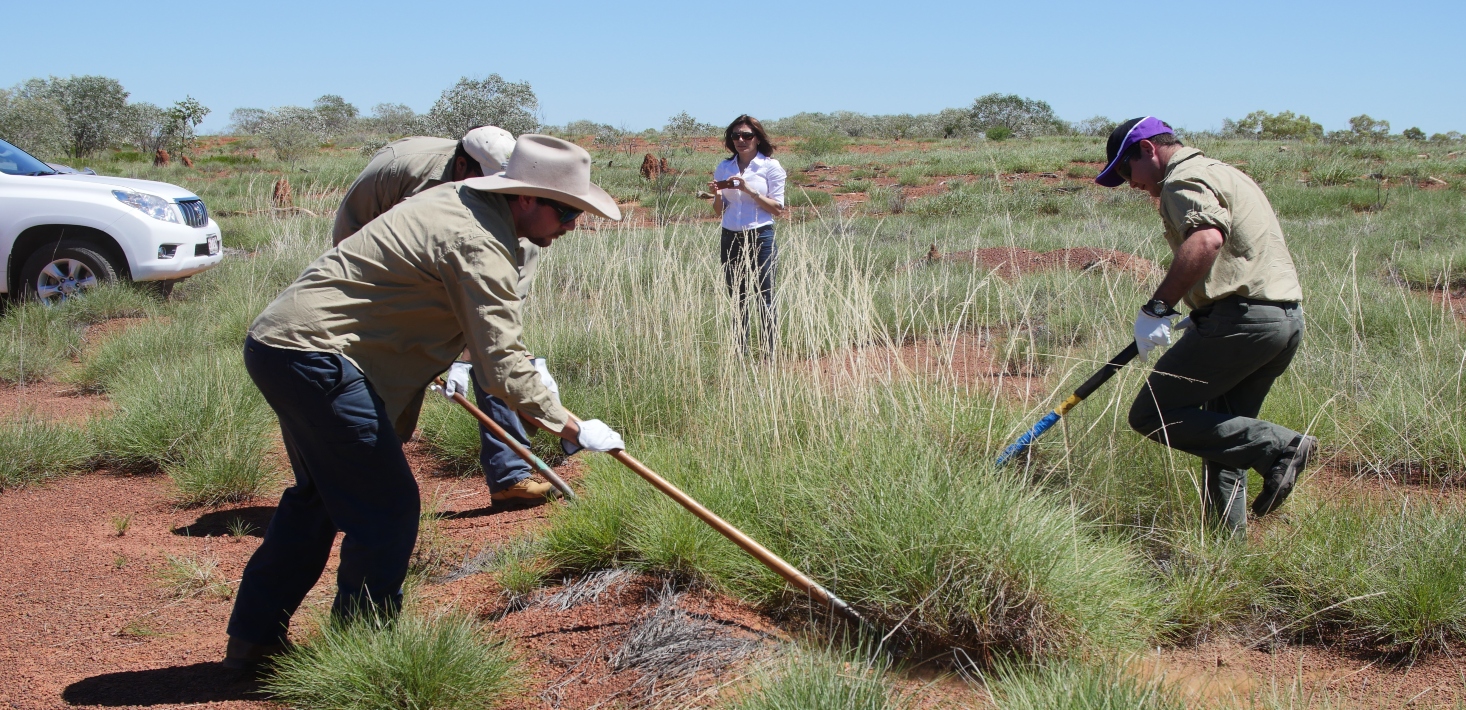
222,522
197,683
495,509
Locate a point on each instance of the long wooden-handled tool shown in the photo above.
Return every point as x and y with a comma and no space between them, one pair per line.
749,545
539,465
1086,389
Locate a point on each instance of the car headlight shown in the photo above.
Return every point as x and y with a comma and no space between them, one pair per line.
150,205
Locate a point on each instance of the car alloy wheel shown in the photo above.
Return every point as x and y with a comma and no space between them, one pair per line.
62,279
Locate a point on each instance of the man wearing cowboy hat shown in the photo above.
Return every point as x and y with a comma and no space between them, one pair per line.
402,169
343,356
1232,268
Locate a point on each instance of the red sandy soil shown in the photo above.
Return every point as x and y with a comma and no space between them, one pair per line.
1225,671
1454,299
1011,262
96,628
964,360
50,401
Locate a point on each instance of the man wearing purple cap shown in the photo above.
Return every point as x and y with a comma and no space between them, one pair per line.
1232,268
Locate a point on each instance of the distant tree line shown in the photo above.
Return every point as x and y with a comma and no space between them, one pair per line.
80,115
1261,125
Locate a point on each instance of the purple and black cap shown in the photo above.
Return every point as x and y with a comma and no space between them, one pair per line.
1125,135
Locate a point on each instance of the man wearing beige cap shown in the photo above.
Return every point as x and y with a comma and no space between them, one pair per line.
411,165
402,169
345,353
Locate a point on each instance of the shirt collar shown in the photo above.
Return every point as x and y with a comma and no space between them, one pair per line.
1181,155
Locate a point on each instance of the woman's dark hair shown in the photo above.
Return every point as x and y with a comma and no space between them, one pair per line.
764,146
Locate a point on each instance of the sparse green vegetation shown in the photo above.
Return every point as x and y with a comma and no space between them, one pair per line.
821,679
417,660
33,450
191,576
873,478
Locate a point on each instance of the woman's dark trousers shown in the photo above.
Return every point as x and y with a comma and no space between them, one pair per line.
350,476
749,257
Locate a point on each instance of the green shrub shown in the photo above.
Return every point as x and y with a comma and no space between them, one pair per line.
414,662
824,680
1372,572
33,450
35,342
999,133
1072,686
199,419
961,556
801,197
451,434
820,145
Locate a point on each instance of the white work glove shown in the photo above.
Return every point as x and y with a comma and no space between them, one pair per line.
458,380
1151,332
549,382
1183,325
594,436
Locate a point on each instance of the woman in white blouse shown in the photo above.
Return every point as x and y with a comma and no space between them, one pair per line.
748,193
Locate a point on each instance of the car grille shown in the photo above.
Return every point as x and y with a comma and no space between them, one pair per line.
194,212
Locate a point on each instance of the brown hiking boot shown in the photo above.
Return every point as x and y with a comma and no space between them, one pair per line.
241,655
526,490
1278,482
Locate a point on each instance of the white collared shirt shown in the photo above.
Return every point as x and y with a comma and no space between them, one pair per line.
764,176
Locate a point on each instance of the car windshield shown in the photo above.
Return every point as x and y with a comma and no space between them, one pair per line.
14,161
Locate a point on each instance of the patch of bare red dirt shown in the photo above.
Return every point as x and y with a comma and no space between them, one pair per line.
963,359
1011,262
89,621
1222,672
1453,300
51,401
624,639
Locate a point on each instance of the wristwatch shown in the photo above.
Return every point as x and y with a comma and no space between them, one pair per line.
1156,308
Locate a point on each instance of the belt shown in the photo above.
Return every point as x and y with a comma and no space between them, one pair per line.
1259,302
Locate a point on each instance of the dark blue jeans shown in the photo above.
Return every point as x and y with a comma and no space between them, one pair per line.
745,254
502,467
350,476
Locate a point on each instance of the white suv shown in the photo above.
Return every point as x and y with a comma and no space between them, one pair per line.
61,233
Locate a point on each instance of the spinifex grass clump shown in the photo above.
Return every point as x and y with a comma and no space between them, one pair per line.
37,341
1389,573
451,434
33,450
200,420
955,553
1076,686
821,679
445,662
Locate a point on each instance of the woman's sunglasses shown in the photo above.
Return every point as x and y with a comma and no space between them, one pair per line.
566,213
744,136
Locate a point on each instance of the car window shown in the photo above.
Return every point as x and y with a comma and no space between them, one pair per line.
14,161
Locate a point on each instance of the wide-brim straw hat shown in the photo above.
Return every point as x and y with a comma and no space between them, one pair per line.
545,166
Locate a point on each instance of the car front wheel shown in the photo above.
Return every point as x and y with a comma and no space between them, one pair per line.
63,270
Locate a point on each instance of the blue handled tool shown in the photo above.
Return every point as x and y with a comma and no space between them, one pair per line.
1086,389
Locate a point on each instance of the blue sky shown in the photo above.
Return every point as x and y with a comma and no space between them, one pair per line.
637,63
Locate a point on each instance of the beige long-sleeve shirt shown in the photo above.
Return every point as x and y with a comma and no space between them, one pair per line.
1200,192
400,170
403,297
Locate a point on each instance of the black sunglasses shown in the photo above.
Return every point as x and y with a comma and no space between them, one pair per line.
744,136
567,214
1123,166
